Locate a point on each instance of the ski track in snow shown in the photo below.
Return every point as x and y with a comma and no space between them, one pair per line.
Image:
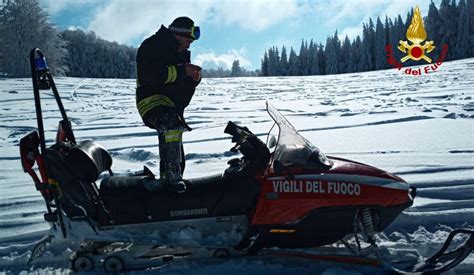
420,128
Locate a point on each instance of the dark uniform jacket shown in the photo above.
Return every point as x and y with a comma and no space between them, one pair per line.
162,83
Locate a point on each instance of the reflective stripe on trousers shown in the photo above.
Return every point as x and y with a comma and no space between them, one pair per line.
171,149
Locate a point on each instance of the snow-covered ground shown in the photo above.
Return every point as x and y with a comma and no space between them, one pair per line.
418,127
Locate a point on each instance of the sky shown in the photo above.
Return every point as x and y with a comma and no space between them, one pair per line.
230,29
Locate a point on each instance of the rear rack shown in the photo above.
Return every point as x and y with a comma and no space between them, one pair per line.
33,145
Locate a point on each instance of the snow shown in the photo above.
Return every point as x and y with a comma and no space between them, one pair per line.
418,127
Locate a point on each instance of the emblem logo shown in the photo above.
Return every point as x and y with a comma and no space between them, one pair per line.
416,34
416,51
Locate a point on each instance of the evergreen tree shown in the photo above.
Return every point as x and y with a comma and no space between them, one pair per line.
364,64
273,62
294,63
314,59
370,41
356,55
303,56
332,59
24,25
393,39
270,60
309,48
387,26
462,32
379,46
470,15
264,66
346,58
236,71
276,62
433,24
448,15
284,65
322,59
337,47
400,31
315,70
408,19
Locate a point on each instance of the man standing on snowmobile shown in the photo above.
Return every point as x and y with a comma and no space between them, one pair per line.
166,81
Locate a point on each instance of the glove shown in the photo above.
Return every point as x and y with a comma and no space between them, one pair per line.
193,71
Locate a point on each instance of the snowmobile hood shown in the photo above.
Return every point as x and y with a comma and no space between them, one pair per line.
356,170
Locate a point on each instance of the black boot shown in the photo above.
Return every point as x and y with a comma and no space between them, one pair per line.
173,179
170,159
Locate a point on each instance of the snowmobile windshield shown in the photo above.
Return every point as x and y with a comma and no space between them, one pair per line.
292,149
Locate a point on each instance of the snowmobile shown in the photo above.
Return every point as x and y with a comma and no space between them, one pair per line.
284,194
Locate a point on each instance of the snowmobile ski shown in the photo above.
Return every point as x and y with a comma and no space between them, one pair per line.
443,260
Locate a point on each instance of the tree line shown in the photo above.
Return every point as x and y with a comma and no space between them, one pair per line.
91,56
76,53
235,71
25,25
452,24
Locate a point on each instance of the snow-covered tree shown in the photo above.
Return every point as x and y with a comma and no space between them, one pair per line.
24,25
91,56
236,71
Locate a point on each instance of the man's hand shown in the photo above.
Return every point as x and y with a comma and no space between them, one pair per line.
193,71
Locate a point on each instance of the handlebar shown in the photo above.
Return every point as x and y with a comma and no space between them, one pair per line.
239,135
237,132
252,148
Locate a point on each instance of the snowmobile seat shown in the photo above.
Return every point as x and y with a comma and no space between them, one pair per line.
214,182
141,182
88,159
125,183
129,201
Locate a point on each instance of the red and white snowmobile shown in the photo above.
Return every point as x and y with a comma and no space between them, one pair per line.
285,195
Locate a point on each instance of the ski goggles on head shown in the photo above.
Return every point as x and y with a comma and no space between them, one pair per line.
193,33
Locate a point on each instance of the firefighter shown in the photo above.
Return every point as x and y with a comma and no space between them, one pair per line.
166,81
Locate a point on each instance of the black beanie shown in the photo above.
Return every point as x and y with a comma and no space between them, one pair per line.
182,26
